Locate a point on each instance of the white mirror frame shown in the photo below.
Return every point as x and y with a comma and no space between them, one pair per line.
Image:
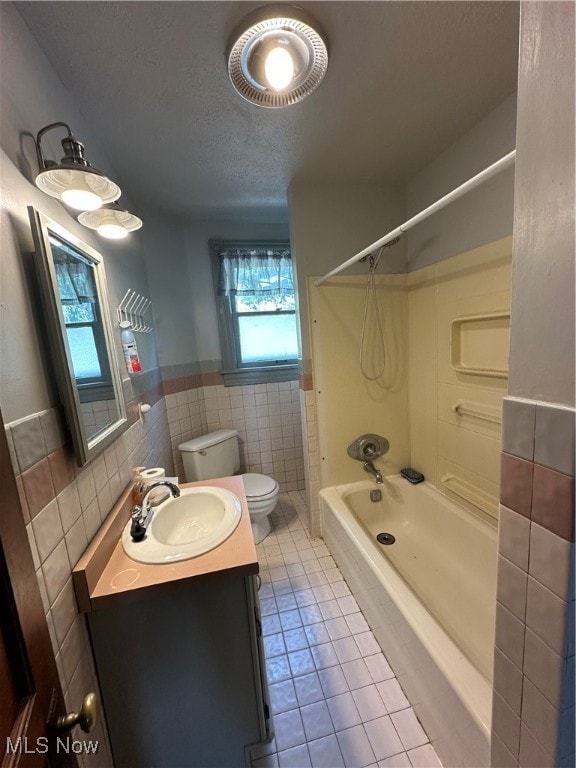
85,448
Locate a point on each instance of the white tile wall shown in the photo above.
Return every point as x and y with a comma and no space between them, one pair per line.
266,416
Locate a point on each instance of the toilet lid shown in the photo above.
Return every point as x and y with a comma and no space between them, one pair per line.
257,485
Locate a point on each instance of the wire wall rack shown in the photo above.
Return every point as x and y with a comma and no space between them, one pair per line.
132,309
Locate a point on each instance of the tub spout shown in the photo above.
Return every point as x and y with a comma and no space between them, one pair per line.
369,467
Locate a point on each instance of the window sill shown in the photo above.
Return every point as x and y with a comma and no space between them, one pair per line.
262,375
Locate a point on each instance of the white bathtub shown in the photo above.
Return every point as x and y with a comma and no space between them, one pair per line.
430,599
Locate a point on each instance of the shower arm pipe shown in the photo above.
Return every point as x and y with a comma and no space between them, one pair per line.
472,183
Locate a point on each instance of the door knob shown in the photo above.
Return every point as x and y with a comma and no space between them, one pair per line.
86,718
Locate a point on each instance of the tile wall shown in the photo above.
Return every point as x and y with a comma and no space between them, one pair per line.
266,416
63,507
533,705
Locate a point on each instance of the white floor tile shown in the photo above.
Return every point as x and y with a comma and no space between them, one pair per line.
305,597
271,624
347,604
297,757
324,656
330,609
317,720
356,674
337,628
295,639
409,729
274,645
355,747
268,761
290,619
317,633
383,737
340,589
379,668
343,711
325,753
286,602
308,689
367,643
310,614
396,761
289,730
301,662
317,579
333,681
277,669
369,703
357,623
283,696
392,695
346,649
424,757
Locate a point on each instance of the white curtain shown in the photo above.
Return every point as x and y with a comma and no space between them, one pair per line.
263,272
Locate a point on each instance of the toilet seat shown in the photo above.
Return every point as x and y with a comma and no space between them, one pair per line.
259,487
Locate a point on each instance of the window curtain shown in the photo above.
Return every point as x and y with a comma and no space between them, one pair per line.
75,283
261,272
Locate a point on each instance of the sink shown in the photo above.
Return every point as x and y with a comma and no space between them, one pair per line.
199,520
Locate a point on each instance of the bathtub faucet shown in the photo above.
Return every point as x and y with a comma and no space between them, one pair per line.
369,467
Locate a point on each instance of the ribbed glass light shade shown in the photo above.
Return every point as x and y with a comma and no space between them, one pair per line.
111,222
92,188
276,57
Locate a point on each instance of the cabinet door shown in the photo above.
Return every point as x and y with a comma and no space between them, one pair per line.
177,676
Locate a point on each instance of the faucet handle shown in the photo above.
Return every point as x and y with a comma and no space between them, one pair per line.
368,447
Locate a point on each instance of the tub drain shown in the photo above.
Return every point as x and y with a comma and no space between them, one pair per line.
386,538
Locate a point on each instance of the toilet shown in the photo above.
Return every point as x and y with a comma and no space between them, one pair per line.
217,455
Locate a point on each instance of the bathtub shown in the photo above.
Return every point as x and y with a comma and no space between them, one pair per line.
430,600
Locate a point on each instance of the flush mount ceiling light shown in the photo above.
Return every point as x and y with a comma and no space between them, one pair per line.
111,221
73,181
277,56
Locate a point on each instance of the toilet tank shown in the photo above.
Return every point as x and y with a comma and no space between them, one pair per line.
213,455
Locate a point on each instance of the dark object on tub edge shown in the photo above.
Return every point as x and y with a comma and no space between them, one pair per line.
412,475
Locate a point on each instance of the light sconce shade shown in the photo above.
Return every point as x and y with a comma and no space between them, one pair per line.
111,221
277,56
73,181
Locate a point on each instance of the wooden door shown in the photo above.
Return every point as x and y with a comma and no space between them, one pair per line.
30,690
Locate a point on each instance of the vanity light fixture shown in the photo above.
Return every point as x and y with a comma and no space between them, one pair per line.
73,181
111,221
277,56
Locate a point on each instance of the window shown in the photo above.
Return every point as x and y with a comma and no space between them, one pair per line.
256,311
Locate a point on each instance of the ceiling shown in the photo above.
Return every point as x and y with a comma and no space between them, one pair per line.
405,80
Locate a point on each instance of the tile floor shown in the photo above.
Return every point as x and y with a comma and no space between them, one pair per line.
334,698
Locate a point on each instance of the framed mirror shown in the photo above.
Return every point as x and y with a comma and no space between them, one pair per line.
73,293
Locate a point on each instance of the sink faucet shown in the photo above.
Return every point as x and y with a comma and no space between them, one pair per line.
142,513
369,467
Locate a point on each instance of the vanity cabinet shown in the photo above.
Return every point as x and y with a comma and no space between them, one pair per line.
182,676
177,647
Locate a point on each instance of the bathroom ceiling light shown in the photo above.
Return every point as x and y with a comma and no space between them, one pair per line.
277,56
111,221
73,181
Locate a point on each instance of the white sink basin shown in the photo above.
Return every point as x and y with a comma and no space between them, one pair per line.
199,520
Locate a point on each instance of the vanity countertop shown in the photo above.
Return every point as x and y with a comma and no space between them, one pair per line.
106,576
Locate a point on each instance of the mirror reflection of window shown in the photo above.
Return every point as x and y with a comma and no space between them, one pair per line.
85,335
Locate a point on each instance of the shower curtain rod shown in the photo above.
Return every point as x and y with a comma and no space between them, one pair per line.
475,181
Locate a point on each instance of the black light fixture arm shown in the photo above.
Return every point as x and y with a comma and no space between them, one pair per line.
73,149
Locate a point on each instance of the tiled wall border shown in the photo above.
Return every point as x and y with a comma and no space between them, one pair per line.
533,706
63,507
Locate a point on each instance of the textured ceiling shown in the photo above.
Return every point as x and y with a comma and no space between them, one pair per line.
405,80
